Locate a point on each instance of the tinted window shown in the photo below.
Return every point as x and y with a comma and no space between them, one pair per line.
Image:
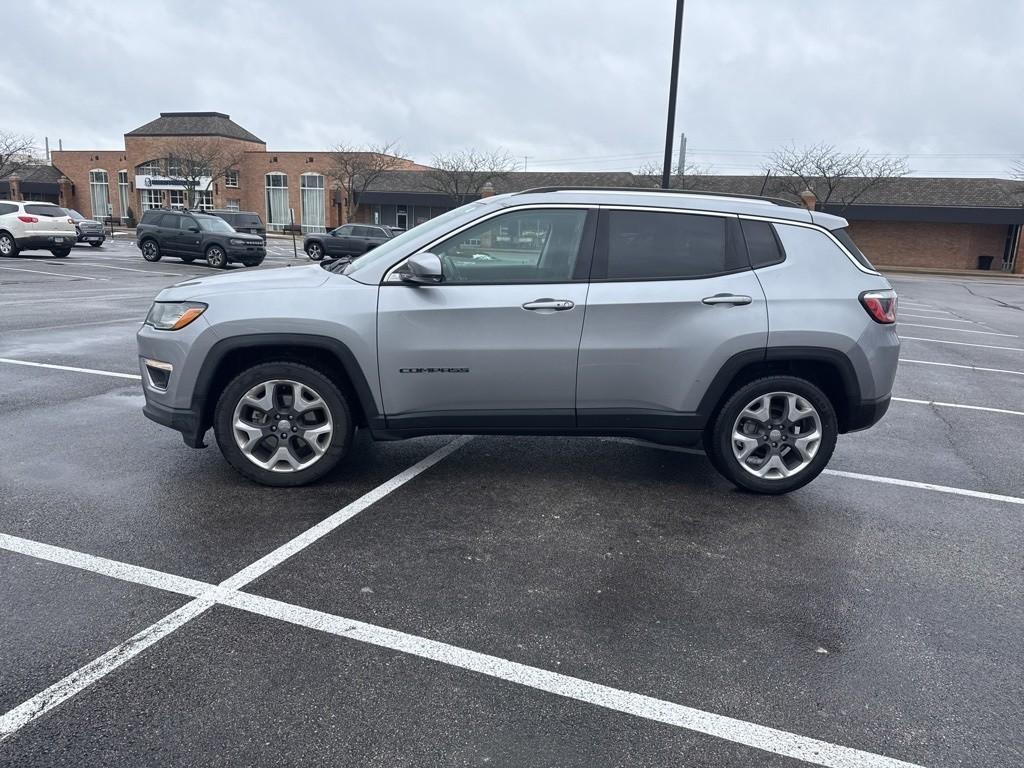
535,246
345,230
170,221
151,217
7,208
843,236
245,220
645,245
51,211
763,246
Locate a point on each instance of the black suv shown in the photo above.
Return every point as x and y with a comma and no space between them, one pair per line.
243,221
346,240
192,235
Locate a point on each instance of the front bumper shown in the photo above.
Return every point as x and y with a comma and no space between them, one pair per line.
245,252
184,420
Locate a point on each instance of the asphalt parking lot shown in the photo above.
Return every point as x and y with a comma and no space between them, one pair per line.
500,601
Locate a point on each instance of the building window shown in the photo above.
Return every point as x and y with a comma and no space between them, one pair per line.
231,179
99,194
122,194
314,207
402,217
204,199
149,198
277,201
177,199
233,204
150,168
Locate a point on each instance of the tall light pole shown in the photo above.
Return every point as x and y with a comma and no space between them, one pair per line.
673,87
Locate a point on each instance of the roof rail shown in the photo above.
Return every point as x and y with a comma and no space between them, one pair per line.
659,190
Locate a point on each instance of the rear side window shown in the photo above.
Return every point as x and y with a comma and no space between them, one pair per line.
245,220
50,211
648,245
7,208
843,236
763,244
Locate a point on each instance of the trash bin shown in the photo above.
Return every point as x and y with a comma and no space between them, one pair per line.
985,262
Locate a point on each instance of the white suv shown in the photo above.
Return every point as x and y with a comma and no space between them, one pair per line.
25,225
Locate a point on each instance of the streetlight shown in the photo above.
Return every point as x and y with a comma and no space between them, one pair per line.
673,87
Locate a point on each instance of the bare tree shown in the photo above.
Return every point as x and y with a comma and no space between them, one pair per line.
649,175
1017,170
837,178
357,168
462,175
15,153
199,161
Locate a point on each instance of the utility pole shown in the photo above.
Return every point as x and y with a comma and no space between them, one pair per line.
673,87
682,156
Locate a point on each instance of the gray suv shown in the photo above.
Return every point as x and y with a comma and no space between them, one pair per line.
750,326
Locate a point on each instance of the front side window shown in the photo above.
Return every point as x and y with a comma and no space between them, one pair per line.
653,245
99,194
532,246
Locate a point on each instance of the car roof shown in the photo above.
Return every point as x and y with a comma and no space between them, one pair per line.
690,200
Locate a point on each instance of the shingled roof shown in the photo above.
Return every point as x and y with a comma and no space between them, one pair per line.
195,124
419,181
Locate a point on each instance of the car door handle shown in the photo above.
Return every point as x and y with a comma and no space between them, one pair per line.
556,305
728,298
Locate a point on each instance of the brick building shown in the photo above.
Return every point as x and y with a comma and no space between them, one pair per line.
124,182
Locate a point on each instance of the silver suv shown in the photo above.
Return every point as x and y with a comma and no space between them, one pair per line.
750,325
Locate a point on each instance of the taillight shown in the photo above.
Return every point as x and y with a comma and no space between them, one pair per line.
881,305
28,219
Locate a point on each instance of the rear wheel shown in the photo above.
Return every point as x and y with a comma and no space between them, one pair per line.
60,253
773,435
216,257
7,245
283,424
95,245
252,262
315,251
150,250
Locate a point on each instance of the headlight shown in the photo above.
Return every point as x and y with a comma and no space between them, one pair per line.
173,315
236,241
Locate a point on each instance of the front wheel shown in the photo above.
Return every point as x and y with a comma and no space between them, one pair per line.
315,251
95,245
216,257
150,250
773,435
60,253
283,424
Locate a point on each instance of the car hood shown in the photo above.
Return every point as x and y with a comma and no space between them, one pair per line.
284,278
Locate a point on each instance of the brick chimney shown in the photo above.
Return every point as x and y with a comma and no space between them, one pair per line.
14,181
487,190
809,199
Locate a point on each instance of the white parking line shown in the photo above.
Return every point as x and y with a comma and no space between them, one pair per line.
959,330
957,405
124,269
959,343
943,319
113,374
96,297
53,274
925,486
81,679
967,367
732,729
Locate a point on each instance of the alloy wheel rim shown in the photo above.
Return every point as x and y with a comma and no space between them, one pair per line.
282,425
5,245
777,435
148,249
314,251
216,256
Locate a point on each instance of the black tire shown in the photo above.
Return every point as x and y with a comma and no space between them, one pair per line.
315,251
8,245
216,257
60,253
337,405
252,262
188,259
95,245
150,250
719,445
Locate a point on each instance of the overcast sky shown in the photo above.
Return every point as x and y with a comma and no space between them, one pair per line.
570,84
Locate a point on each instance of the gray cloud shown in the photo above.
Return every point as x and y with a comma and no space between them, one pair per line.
573,84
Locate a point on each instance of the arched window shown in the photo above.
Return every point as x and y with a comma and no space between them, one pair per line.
314,204
277,201
99,194
122,194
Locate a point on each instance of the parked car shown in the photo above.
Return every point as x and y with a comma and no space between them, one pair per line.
190,235
754,328
28,226
89,230
243,221
346,240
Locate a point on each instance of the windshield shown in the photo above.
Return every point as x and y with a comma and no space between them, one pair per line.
213,224
75,214
385,251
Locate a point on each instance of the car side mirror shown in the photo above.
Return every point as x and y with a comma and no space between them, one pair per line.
423,269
